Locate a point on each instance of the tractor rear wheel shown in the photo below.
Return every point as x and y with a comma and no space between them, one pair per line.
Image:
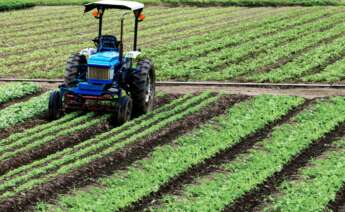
76,69
142,87
124,110
55,105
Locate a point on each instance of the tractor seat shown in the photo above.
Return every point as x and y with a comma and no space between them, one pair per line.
107,43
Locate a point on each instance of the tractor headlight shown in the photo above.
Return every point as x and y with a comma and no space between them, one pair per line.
100,73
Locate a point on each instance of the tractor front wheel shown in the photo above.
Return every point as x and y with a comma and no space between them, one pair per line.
76,69
124,110
142,87
55,105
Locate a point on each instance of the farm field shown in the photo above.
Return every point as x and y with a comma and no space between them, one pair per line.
20,4
284,44
197,151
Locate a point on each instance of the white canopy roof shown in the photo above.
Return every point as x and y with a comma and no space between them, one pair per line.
115,4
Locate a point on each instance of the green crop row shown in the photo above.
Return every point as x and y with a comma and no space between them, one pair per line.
332,73
232,55
253,20
246,171
20,112
166,162
42,129
25,178
280,53
71,20
37,141
316,185
38,63
217,41
129,125
20,4
10,91
88,26
306,62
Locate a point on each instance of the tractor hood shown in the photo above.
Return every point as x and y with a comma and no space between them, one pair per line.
108,59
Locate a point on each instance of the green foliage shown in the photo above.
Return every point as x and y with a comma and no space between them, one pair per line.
244,173
26,177
20,4
317,183
166,162
276,45
10,91
21,112
48,135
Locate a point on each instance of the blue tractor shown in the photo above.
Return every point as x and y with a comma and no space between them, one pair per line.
104,78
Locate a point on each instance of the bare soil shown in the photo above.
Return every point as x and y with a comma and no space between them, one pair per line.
308,93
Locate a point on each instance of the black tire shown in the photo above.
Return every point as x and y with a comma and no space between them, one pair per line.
76,67
55,105
142,87
123,112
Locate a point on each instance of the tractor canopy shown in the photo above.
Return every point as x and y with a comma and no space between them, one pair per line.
136,7
104,64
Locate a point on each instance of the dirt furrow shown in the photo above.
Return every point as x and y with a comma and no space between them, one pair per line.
255,198
210,165
119,160
338,204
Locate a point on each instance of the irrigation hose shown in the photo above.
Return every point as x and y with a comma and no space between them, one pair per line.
208,83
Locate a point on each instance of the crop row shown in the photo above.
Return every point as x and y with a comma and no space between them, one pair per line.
306,63
280,55
24,23
316,185
232,55
12,91
23,111
16,4
267,157
46,136
45,170
88,26
247,24
332,73
167,162
37,60
219,40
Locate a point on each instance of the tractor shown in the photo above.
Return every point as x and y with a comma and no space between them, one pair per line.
104,78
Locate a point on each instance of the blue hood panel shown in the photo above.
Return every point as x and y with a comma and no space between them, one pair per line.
108,59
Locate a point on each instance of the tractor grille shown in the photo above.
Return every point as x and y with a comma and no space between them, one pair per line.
99,73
